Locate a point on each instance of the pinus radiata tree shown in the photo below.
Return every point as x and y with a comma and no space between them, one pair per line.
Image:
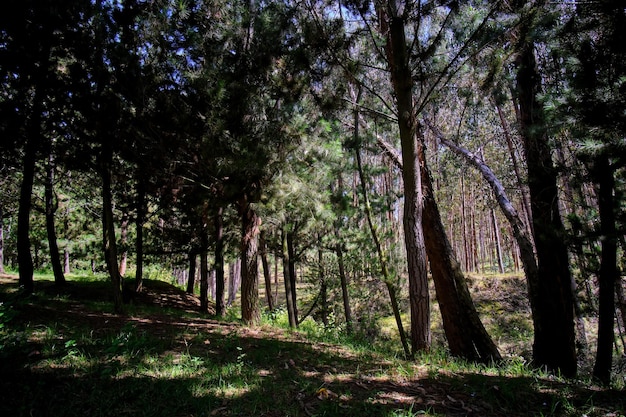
594,48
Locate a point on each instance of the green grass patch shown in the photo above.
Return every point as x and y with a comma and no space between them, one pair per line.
65,353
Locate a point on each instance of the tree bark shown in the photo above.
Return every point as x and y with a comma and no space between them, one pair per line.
191,278
554,345
51,208
266,273
293,277
464,330
24,256
382,257
220,305
250,222
108,227
204,270
139,222
290,301
524,242
124,242
1,240
608,275
393,26
343,279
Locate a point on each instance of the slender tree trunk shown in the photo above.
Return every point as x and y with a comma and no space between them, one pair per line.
554,346
124,242
191,279
234,281
498,243
322,280
290,301
51,208
250,311
24,256
108,227
1,240
393,26
608,275
139,222
204,269
382,257
343,279
292,273
220,305
266,273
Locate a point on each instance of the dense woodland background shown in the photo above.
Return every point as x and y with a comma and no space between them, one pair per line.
369,149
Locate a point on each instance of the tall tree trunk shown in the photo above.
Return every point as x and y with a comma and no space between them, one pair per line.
250,222
393,26
608,275
290,301
24,256
139,222
220,305
266,273
51,208
554,346
108,227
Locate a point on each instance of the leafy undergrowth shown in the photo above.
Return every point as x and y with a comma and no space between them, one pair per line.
64,353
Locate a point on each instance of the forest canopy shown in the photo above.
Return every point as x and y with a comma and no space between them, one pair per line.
382,152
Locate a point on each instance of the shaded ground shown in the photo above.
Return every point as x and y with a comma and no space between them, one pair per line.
63,352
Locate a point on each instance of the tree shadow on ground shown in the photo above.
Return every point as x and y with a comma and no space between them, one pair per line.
62,356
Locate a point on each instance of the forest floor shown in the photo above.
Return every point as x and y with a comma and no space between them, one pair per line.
64,353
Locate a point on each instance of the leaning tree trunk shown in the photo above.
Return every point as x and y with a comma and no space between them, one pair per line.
524,242
250,221
554,345
464,330
608,275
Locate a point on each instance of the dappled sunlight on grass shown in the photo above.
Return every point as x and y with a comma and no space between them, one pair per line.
149,362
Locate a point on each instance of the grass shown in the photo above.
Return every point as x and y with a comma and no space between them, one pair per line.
64,353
